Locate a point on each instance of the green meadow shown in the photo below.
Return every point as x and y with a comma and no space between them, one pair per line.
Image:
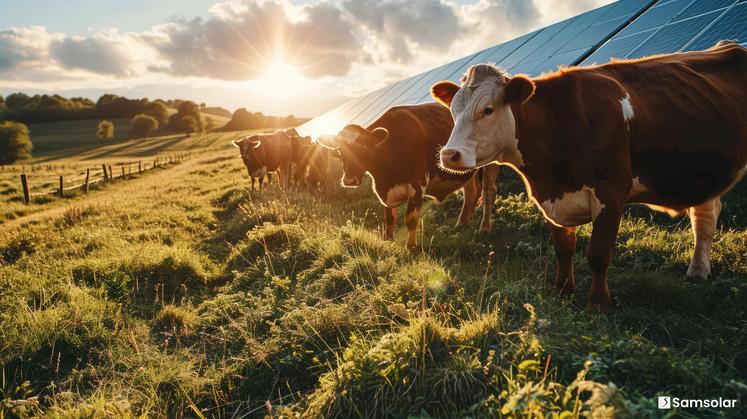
179,293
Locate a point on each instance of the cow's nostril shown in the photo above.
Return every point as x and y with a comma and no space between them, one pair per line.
455,156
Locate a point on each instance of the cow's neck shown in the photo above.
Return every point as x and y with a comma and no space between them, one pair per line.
379,164
531,156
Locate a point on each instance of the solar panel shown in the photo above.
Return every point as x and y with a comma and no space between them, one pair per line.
732,24
676,25
624,29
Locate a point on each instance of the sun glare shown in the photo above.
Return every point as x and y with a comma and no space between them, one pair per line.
281,81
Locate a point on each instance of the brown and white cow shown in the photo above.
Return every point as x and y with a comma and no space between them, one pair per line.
266,153
669,131
400,152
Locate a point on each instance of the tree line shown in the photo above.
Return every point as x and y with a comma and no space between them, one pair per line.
19,109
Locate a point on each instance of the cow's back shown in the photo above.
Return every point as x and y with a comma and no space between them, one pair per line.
688,131
417,132
278,151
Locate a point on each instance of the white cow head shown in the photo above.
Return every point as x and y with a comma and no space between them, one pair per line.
484,126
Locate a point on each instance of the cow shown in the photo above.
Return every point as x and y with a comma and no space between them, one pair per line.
266,153
399,150
312,162
668,131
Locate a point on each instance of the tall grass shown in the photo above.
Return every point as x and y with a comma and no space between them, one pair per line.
189,296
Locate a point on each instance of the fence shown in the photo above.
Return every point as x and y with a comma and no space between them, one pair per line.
87,176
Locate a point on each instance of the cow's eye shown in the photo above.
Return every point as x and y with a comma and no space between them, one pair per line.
487,111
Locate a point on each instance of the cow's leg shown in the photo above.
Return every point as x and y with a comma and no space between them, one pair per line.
600,250
703,219
285,174
269,179
490,181
471,194
253,179
390,216
564,240
412,216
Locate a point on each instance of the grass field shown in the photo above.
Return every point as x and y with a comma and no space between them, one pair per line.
180,294
68,136
74,149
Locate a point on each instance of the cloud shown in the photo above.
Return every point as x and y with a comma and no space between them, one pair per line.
98,54
26,46
402,27
494,21
242,37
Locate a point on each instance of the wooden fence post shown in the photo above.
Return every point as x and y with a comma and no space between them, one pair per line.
62,187
106,176
123,174
140,167
85,185
25,185
111,174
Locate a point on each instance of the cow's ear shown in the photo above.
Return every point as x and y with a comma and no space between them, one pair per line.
237,143
381,134
519,90
444,92
255,143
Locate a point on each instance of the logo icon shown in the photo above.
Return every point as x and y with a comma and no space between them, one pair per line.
665,402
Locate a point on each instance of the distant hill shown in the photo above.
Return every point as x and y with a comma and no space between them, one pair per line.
243,120
216,110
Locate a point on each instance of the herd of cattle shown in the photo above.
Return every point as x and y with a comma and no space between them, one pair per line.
668,131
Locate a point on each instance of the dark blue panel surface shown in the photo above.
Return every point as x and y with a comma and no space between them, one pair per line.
617,48
655,17
731,25
672,38
699,7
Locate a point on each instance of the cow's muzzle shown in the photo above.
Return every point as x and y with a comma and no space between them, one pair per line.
351,182
454,159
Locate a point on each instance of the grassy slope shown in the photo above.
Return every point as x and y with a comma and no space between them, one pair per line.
181,292
71,159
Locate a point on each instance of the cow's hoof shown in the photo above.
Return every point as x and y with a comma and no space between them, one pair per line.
484,229
562,291
698,273
598,304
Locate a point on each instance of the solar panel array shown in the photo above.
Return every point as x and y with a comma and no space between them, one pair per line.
624,29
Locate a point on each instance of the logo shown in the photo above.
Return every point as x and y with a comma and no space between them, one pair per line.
668,402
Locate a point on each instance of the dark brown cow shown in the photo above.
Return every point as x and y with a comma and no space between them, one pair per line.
266,153
400,152
312,162
669,131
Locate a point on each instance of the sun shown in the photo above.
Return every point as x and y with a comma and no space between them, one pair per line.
280,81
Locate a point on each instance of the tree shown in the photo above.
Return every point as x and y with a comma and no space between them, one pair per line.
158,110
189,125
105,130
17,101
15,143
142,124
209,124
187,118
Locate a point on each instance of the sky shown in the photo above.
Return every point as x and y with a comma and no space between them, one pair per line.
275,56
